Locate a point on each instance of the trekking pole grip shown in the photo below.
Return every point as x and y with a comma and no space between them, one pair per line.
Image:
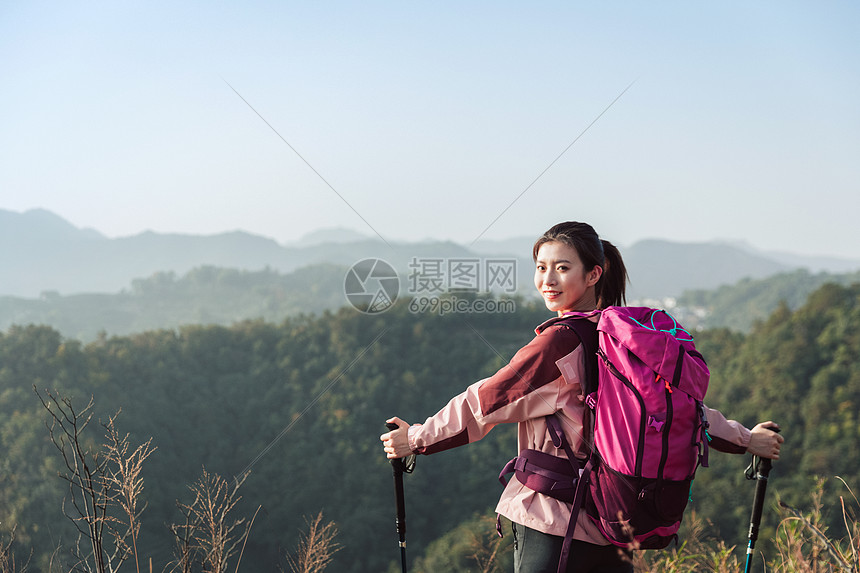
396,463
759,471
398,467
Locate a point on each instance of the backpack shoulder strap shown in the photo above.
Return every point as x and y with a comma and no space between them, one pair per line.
557,434
586,330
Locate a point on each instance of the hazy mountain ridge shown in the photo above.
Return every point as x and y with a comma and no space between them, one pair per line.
657,266
41,252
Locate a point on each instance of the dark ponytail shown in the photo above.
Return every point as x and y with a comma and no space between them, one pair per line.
593,252
612,286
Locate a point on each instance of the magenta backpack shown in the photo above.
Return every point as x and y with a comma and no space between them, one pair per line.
648,433
649,426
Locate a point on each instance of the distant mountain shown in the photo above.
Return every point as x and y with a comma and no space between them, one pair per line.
522,246
40,225
814,264
662,268
41,252
335,235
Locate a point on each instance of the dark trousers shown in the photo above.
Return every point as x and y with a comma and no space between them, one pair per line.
536,552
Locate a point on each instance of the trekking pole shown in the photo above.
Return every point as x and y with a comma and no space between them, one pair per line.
758,470
400,466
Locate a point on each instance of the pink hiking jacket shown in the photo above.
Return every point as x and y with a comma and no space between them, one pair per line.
542,378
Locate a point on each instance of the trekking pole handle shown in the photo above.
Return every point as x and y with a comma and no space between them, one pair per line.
761,471
397,465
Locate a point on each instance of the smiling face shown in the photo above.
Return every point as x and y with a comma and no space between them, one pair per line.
563,281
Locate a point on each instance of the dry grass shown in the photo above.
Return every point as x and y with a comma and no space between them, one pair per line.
316,547
104,486
210,535
695,554
802,545
123,485
486,548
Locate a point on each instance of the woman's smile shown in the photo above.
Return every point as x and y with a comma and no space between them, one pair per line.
561,279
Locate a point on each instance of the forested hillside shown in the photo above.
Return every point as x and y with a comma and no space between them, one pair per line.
220,296
218,397
802,369
204,295
302,403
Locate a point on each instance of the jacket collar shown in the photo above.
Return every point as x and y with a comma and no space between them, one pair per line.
566,316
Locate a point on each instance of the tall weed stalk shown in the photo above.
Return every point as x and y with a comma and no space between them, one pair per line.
805,544
316,547
104,502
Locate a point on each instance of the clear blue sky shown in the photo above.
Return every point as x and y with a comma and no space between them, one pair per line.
430,118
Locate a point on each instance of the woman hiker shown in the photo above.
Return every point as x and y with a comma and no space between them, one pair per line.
575,271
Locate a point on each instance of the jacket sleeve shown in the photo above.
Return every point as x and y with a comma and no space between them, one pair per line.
528,387
728,436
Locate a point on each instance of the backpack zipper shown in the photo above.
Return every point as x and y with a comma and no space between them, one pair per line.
642,426
664,455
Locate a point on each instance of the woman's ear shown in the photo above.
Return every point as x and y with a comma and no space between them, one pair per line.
594,275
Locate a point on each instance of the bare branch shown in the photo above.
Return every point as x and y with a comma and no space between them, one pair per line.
104,485
8,563
211,535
